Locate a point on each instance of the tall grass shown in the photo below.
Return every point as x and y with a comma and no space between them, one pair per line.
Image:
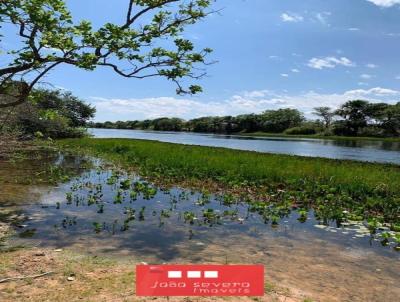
236,167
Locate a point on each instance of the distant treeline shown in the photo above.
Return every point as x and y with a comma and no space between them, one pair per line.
354,118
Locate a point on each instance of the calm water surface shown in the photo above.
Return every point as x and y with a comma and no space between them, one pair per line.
106,211
372,151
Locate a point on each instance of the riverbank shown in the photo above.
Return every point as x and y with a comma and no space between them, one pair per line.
320,136
340,190
282,135
64,275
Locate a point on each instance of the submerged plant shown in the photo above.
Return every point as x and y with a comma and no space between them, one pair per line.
98,227
100,208
141,213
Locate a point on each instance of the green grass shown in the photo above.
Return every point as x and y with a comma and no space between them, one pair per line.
366,189
232,166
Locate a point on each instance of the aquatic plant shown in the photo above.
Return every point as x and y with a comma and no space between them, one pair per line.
119,197
100,208
303,213
363,189
211,217
189,217
98,227
125,184
68,196
141,213
133,195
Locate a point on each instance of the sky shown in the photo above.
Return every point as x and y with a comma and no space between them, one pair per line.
270,54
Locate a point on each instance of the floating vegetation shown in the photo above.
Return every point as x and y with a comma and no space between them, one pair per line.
128,203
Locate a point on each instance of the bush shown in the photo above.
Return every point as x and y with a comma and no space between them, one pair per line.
371,131
48,114
302,130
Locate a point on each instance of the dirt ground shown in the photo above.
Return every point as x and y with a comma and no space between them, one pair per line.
78,277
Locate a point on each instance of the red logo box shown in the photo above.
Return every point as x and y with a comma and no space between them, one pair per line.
199,280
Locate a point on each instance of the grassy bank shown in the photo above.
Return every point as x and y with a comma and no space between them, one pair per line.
319,136
331,187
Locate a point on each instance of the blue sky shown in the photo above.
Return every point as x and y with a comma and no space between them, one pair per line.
271,54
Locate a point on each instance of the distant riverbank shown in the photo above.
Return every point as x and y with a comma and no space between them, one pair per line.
318,136
360,150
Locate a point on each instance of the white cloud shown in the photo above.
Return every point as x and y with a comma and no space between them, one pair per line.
385,3
353,29
295,70
372,66
284,75
329,62
248,102
323,18
290,17
366,76
374,92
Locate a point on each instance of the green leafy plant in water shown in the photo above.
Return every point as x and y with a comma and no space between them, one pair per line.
149,193
232,214
68,196
228,199
211,217
98,227
119,197
91,200
141,213
303,214
204,199
373,225
189,217
133,195
125,184
385,238
396,239
165,214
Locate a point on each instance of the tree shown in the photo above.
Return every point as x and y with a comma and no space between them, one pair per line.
326,113
65,104
168,124
54,114
281,119
355,114
133,49
391,122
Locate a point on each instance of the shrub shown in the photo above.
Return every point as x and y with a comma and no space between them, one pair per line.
302,130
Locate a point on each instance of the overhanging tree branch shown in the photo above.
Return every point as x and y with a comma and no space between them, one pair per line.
50,38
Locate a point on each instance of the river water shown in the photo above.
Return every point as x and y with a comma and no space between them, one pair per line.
361,150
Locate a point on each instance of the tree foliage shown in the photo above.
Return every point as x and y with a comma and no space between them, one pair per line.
354,118
52,113
146,43
326,113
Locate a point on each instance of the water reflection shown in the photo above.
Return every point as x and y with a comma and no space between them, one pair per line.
107,211
362,150
124,212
